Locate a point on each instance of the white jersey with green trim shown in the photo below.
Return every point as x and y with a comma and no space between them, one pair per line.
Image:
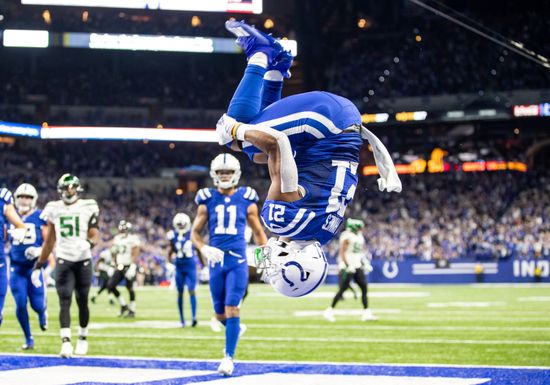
71,224
355,251
122,248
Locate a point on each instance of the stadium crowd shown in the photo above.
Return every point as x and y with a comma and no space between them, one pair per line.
437,216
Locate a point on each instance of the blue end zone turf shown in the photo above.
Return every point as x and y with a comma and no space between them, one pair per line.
10,365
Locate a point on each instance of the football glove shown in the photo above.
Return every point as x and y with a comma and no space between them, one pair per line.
131,272
18,234
33,252
213,254
224,129
35,277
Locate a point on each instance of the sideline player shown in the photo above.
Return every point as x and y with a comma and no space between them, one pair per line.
311,144
8,214
104,271
22,257
73,230
186,267
125,251
352,253
227,209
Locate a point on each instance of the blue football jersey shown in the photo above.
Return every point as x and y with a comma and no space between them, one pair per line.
33,237
181,243
5,199
312,118
330,187
227,217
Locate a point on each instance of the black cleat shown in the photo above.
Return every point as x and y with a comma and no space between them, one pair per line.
123,310
194,323
130,314
92,300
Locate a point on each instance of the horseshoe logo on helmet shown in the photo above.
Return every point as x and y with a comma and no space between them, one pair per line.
304,275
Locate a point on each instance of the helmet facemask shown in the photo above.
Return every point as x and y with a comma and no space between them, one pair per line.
182,223
225,171
290,268
25,198
69,188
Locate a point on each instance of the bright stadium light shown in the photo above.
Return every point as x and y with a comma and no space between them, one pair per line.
17,129
130,133
26,38
151,43
250,6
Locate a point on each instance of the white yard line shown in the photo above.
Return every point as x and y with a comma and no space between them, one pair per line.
316,339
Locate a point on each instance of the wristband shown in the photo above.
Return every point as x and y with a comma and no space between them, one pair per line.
38,265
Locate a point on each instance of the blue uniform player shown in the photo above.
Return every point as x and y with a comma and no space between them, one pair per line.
182,255
311,144
8,214
22,257
227,209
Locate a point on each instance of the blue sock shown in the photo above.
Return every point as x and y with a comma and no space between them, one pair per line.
193,300
247,99
232,335
23,318
180,307
271,92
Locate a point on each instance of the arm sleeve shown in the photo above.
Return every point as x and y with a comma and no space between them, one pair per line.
203,196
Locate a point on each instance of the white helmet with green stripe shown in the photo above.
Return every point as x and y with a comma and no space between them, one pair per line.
69,187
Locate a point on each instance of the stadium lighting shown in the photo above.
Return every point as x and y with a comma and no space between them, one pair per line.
151,43
253,6
19,129
130,133
26,38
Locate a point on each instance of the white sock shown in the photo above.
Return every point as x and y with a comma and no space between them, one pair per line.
132,306
259,59
121,301
65,333
83,332
274,76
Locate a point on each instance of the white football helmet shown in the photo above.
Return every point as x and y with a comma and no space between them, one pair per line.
25,190
182,222
291,268
225,162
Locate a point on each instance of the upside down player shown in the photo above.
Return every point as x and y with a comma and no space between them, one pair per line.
22,257
227,209
311,144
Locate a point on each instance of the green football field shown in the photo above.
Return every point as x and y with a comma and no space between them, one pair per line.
435,324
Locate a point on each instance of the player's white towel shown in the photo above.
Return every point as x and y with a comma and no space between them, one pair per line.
389,180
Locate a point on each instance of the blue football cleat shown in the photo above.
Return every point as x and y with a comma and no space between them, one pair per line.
251,40
282,63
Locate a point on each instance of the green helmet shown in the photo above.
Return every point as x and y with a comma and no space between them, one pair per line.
68,187
354,224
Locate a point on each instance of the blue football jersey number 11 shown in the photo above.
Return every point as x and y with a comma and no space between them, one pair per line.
231,228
